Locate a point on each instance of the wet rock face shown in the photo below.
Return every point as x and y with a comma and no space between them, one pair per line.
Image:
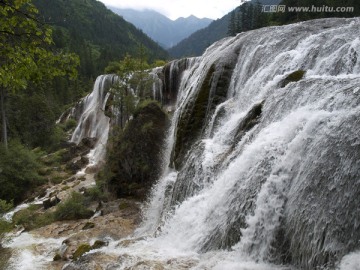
212,92
171,77
50,202
135,155
75,155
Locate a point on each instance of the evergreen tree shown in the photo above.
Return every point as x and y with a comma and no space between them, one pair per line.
232,28
24,52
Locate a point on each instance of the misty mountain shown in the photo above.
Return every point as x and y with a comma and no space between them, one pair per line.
160,28
195,44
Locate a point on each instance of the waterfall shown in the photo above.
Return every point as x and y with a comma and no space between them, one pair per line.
93,123
261,166
264,168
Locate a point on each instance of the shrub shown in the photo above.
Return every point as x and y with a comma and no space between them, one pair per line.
5,206
31,219
70,124
18,172
4,227
73,208
94,194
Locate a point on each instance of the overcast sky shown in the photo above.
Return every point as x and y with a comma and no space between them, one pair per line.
174,9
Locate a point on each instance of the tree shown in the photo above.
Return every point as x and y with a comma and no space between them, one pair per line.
25,52
232,25
134,83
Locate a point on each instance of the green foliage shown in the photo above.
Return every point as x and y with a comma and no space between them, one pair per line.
4,228
31,119
95,194
31,218
70,124
134,83
24,53
133,157
18,172
73,208
158,63
95,33
5,206
26,57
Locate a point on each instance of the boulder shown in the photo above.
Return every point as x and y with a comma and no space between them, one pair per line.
50,202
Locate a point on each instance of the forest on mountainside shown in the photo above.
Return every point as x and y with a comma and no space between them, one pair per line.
50,54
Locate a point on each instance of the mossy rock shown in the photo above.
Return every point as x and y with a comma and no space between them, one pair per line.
99,244
88,225
192,119
133,163
81,250
124,205
65,188
212,92
57,257
293,77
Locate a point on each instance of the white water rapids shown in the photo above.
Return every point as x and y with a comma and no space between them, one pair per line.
271,180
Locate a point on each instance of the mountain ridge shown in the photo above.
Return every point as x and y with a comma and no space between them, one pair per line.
160,28
196,43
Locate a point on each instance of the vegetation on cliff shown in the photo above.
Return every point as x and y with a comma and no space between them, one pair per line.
133,161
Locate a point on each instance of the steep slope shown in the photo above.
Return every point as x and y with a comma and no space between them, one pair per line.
94,32
160,28
195,44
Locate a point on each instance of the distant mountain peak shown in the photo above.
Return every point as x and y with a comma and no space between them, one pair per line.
163,30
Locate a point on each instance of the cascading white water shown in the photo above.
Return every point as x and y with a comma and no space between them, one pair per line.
263,174
267,175
93,122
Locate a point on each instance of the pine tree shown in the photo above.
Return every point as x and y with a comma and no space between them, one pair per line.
24,52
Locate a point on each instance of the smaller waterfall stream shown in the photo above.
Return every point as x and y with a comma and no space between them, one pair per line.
93,122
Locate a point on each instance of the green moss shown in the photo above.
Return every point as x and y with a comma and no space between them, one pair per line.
99,244
88,225
192,119
134,153
83,248
65,188
57,257
123,205
293,77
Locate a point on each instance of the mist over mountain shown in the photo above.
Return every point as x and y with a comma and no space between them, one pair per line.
160,28
195,44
